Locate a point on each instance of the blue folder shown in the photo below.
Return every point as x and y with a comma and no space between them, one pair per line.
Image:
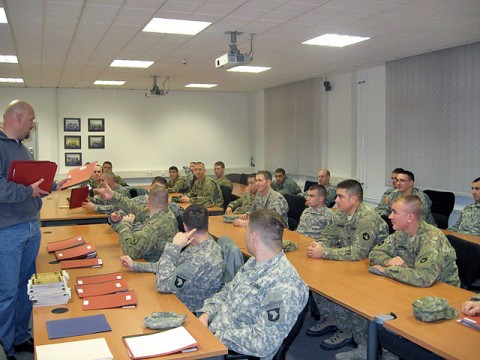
84,325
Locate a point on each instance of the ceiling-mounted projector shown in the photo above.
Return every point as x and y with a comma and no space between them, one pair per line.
233,57
156,90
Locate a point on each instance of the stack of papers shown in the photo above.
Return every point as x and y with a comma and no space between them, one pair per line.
93,349
46,289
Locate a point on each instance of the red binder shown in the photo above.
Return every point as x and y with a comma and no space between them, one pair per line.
28,172
78,196
104,288
65,244
84,280
79,252
123,299
80,263
79,175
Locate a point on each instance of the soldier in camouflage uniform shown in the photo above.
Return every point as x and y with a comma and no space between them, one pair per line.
316,216
266,198
382,205
158,224
108,167
176,183
405,182
472,307
95,181
205,191
245,202
191,267
283,184
324,180
219,169
353,232
257,309
100,205
469,221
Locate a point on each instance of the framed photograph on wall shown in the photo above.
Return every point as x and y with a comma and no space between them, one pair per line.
73,142
73,159
71,124
96,124
96,142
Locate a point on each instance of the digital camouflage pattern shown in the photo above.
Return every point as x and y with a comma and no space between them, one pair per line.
164,320
313,221
331,195
181,185
243,204
223,181
206,192
103,206
256,310
469,221
429,257
287,187
431,308
273,201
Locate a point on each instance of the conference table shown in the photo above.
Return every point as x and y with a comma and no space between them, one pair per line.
349,284
471,238
123,322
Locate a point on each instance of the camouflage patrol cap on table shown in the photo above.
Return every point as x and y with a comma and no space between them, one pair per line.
164,320
176,199
230,218
287,245
431,308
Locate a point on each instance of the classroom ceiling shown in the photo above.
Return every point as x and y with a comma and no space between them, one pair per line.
71,43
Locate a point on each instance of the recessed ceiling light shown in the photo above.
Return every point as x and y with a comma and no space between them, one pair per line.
109,82
206,86
335,40
250,69
3,16
11,59
131,63
11,80
173,26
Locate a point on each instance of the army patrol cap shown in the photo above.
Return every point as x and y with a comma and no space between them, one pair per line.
431,308
287,246
230,218
164,320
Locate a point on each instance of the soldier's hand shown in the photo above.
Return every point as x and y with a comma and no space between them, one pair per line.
184,199
379,268
471,308
115,216
88,205
183,239
129,218
105,192
127,262
396,261
204,319
244,216
228,210
36,189
240,222
315,250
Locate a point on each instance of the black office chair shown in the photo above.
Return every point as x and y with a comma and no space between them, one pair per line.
244,179
227,196
468,260
136,191
308,183
442,206
234,177
296,205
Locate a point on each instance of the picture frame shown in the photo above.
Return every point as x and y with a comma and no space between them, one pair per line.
96,142
71,124
73,159
96,125
72,142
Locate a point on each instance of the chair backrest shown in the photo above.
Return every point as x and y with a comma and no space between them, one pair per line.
227,195
443,203
232,258
136,191
296,205
234,177
468,260
244,179
308,183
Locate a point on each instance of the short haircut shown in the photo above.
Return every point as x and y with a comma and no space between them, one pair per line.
319,188
160,180
269,224
196,217
326,170
397,170
173,168
407,173
220,163
109,176
476,180
107,163
280,170
413,203
158,196
353,187
266,174
252,175
200,163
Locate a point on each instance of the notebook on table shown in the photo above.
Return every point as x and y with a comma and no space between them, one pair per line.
65,244
81,263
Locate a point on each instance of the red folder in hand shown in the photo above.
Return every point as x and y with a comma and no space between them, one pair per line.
28,172
79,175
78,196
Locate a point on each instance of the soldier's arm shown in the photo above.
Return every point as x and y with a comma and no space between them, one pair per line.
127,205
167,270
236,203
145,267
382,252
137,244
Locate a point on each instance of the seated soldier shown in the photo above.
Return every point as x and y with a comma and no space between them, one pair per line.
108,167
95,181
469,221
100,205
205,191
384,200
245,202
324,180
254,313
158,223
191,267
177,183
283,184
316,216
219,169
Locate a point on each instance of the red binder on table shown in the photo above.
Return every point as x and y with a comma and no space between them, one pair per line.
65,244
79,175
80,263
79,252
95,279
123,299
104,288
27,172
78,196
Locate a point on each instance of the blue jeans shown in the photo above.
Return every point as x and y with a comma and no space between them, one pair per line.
18,251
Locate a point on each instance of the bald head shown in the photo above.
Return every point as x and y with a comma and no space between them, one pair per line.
18,120
323,177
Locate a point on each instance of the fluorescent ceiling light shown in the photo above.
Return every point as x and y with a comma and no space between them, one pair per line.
250,69
131,63
205,86
335,40
173,26
11,59
3,16
11,80
109,82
